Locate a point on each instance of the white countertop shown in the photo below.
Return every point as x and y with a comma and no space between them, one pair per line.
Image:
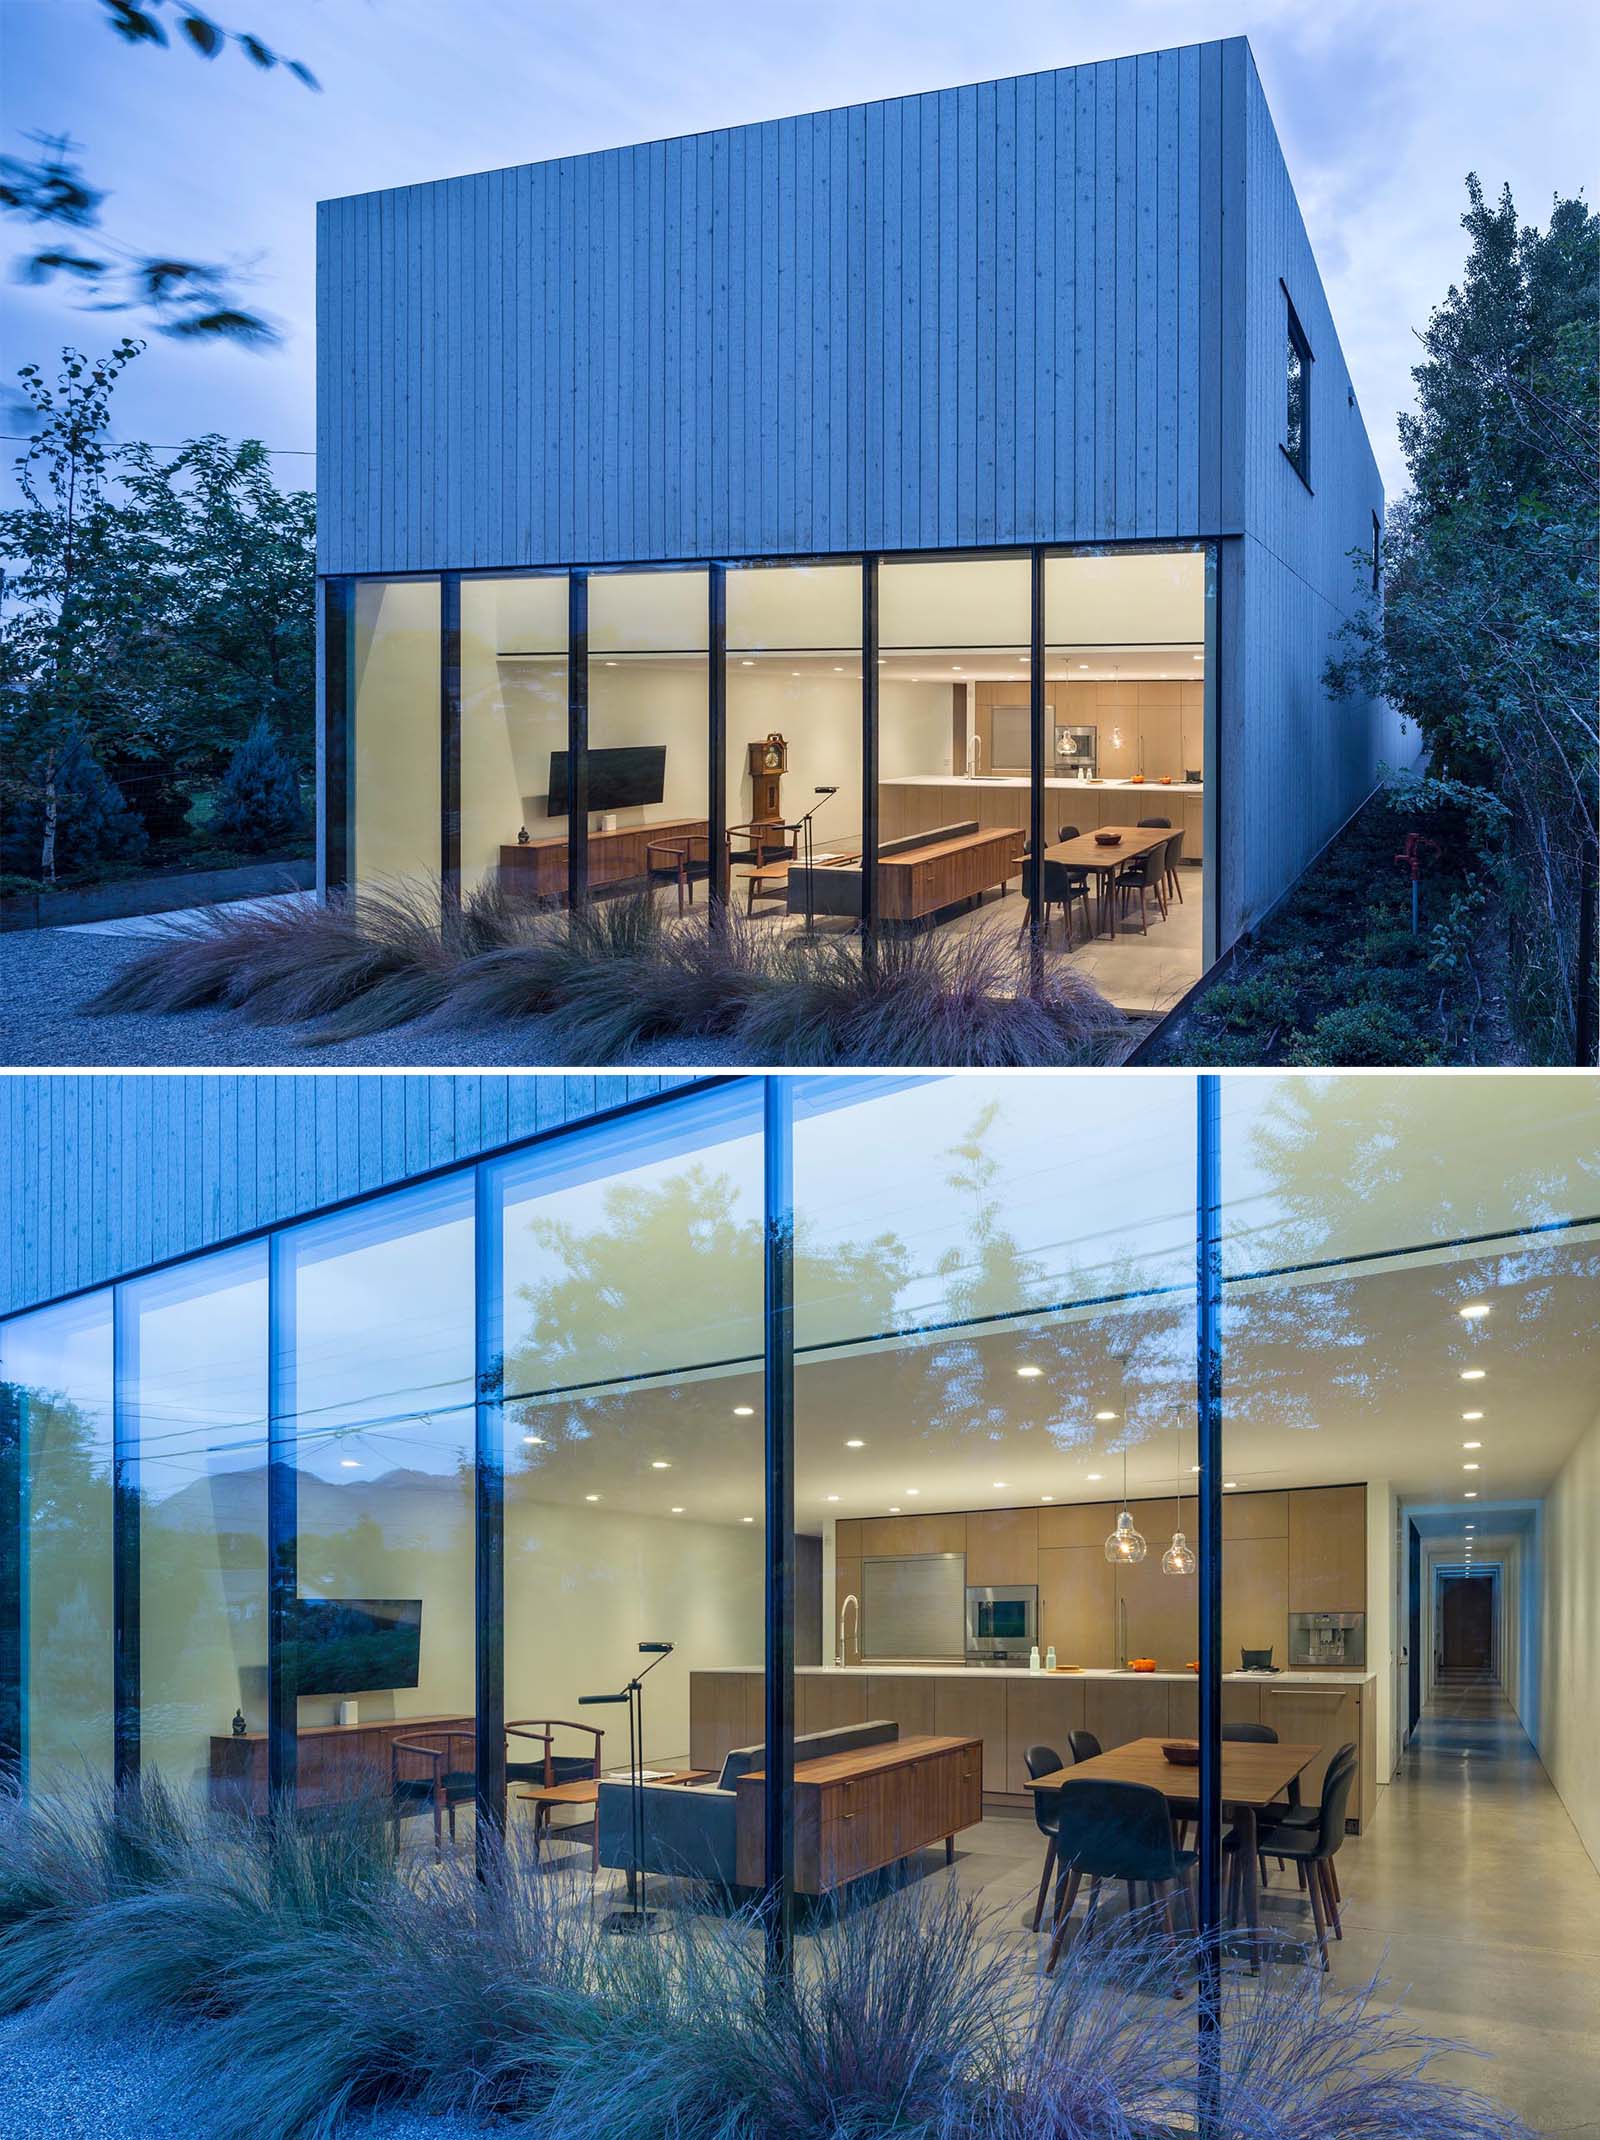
1056,781
1319,1678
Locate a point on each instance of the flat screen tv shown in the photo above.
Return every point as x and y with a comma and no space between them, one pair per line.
353,1645
618,779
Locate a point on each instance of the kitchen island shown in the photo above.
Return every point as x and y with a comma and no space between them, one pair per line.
911,802
1013,1709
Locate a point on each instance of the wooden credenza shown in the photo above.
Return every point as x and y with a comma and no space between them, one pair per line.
337,1761
539,870
856,1813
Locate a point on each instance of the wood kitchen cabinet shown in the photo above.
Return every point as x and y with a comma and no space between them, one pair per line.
726,1709
1163,1610
1333,1716
1002,1546
1117,1710
1328,1549
974,1707
1255,1598
889,1536
1039,1712
904,1698
1077,1603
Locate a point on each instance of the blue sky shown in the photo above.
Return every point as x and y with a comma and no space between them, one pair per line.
1383,108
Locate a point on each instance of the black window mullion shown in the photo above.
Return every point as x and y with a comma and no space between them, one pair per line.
717,738
283,1545
489,1506
338,710
577,739
1208,1394
124,1542
450,736
13,1565
869,752
778,1371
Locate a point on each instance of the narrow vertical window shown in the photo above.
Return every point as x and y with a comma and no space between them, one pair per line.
1377,553
1297,409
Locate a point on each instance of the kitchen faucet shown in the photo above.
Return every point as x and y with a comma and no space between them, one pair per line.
1122,1634
852,1599
974,755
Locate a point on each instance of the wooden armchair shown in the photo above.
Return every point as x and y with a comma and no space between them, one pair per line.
680,860
548,1767
424,1773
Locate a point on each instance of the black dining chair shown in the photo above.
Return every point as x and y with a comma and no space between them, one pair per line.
1242,1735
1083,1745
1145,874
1170,866
1044,1761
1304,1816
1118,1831
1313,1849
1155,824
1063,887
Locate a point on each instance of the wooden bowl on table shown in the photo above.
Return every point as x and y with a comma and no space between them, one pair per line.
1182,1753
1108,839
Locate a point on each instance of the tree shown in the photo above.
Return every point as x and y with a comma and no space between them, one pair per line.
1486,636
187,299
89,819
155,606
258,804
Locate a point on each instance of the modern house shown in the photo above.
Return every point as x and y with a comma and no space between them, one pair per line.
824,510
343,1417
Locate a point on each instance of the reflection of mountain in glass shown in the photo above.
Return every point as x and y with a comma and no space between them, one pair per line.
353,1645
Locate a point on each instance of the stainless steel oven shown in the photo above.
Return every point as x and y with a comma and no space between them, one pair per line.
1002,1622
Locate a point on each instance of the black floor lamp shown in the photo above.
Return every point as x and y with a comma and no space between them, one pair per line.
635,1918
803,827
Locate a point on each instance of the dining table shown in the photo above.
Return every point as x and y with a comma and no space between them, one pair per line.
1255,1780
1087,853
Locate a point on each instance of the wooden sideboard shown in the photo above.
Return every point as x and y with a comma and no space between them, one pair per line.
856,1813
337,1761
539,870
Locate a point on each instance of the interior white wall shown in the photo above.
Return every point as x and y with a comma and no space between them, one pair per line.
1569,1619
640,699
394,773
819,716
513,714
584,1589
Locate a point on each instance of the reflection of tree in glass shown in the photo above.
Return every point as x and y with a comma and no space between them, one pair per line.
66,1511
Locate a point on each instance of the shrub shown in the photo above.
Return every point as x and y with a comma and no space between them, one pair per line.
258,802
93,823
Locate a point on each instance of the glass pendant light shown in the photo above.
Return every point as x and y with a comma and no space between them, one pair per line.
1178,1559
1125,1545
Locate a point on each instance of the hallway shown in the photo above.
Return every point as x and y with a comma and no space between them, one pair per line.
1474,1896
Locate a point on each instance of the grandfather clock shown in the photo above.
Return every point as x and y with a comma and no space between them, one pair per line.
769,761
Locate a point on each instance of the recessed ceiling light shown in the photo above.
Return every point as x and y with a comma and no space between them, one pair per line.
1047,1497
1471,1467
1472,1415
660,1464
591,1497
677,1511
1473,1374
747,1519
1475,1313
999,1486
833,1497
536,1439
1094,1475
1197,657
744,1411
1083,665
747,664
955,668
1471,1496
1105,1415
894,1508
1472,1445
1194,1467
912,1492
350,1463
855,1445
1029,1372
1230,1486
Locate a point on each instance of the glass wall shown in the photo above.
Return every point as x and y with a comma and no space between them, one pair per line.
59,1362
995,1329
954,751
377,1322
195,1359
513,732
394,733
793,724
631,1305
649,729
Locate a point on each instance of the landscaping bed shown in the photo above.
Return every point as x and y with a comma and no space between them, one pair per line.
1335,977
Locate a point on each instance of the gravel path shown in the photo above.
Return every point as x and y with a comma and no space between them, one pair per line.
47,975
70,2089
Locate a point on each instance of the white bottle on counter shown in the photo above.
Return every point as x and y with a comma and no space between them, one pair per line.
1050,1658
1033,1658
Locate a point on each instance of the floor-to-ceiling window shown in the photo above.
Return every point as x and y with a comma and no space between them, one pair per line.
376,1341
392,698
794,730
195,1397
514,733
57,1362
649,746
